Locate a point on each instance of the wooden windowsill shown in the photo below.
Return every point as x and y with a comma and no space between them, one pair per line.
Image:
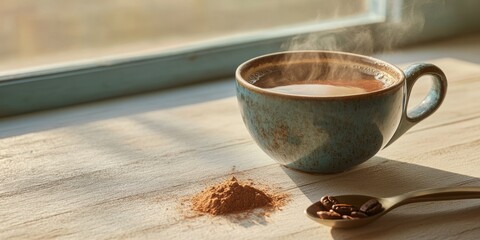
121,168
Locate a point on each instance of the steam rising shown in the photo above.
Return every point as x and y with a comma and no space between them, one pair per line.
404,20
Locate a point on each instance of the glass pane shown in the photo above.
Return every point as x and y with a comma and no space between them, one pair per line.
34,32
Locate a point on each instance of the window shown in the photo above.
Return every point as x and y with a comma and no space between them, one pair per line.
56,53
54,31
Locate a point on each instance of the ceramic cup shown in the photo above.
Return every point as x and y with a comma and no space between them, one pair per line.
329,134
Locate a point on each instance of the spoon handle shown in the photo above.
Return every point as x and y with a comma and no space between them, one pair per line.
437,194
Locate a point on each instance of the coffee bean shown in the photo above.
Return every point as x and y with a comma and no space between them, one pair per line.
371,207
344,209
328,215
328,201
358,214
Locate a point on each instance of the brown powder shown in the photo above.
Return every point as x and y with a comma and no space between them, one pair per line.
233,196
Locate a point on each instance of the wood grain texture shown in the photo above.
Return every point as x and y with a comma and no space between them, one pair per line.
123,168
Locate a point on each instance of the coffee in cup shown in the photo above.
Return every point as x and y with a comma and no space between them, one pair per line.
349,81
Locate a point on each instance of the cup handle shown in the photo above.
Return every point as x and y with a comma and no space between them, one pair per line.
429,104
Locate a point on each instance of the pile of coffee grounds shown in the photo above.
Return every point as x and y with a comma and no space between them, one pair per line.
232,196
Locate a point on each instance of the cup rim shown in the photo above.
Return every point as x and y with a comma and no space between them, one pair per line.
397,84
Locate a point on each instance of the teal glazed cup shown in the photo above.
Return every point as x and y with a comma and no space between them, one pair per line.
330,134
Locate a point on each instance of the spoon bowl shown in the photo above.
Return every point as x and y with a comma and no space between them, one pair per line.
390,203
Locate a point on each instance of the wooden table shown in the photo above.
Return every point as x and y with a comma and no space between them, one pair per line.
120,169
